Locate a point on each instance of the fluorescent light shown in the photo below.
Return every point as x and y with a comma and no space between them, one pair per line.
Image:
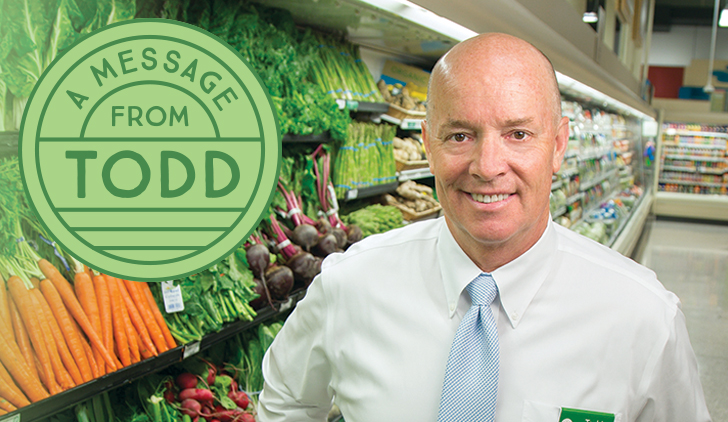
566,83
591,17
723,18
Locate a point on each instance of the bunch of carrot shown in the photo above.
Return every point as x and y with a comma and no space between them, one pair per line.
55,336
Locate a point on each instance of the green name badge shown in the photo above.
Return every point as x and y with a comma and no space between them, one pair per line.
578,415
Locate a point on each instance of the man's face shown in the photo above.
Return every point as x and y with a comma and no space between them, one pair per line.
493,141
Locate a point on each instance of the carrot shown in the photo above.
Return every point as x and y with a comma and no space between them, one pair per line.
120,335
9,390
104,305
155,333
71,302
6,329
131,333
62,375
21,336
66,324
158,315
7,406
136,318
3,413
61,344
24,301
17,367
87,297
92,361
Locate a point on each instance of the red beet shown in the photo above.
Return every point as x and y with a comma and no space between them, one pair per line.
262,300
279,280
353,234
306,236
258,258
326,245
304,268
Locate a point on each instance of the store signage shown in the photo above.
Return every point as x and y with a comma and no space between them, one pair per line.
150,150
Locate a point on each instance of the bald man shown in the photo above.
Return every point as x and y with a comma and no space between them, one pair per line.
583,334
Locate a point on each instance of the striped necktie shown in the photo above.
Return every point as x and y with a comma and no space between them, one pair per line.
470,387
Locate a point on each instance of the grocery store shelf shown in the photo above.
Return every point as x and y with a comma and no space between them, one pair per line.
686,205
680,168
569,172
404,124
628,235
575,197
8,144
595,153
319,138
692,183
696,146
584,186
557,184
696,158
559,212
370,191
685,132
362,106
709,170
414,174
43,409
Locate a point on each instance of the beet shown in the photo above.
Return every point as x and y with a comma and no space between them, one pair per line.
279,280
326,245
341,237
304,268
354,234
262,300
305,236
323,225
258,259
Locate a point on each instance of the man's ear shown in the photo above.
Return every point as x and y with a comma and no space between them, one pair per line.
426,143
561,142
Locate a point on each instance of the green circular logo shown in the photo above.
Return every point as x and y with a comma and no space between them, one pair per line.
150,149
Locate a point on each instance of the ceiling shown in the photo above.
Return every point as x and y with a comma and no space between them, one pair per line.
683,12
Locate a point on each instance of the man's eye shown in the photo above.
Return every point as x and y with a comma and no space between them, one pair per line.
459,137
519,135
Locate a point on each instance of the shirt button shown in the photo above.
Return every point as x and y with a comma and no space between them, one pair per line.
452,308
514,316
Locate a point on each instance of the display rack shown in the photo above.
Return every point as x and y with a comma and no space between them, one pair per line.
59,402
693,171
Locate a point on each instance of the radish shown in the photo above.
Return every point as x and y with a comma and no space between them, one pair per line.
225,415
198,394
190,407
247,417
186,380
240,398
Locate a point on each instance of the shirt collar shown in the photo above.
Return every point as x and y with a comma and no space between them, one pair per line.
518,281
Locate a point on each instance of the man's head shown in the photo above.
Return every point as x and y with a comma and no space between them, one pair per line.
494,136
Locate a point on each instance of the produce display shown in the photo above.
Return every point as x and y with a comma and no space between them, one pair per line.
375,218
220,385
34,33
414,200
342,73
399,96
408,149
54,334
365,158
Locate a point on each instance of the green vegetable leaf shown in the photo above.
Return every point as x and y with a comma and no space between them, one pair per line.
221,389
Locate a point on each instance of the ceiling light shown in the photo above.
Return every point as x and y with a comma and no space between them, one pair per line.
723,18
591,17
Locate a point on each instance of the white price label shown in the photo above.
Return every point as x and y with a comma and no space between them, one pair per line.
191,349
172,296
14,418
352,194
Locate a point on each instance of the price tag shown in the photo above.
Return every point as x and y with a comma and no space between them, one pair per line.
172,296
411,124
352,194
14,418
286,305
341,104
352,105
191,349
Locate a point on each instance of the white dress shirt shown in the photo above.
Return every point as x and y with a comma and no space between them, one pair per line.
580,326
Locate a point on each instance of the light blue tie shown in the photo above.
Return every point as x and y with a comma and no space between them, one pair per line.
470,388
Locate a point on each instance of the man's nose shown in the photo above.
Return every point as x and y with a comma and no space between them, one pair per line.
489,158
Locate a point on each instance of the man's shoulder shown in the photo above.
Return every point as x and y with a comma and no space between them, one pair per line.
609,266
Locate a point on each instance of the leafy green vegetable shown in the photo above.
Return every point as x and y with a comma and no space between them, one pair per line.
375,219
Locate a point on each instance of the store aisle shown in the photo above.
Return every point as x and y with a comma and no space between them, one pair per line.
691,260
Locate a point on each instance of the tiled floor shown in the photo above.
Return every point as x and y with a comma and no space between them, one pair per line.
691,260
